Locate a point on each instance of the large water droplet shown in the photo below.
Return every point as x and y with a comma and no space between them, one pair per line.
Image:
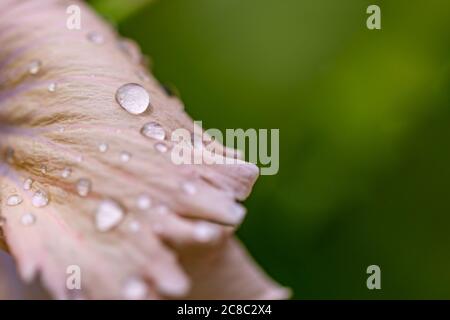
39,199
103,147
28,219
133,98
34,66
66,173
83,187
143,202
27,184
161,147
125,156
14,200
109,214
153,130
95,37
135,289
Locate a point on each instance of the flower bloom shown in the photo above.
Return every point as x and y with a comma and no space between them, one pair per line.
85,183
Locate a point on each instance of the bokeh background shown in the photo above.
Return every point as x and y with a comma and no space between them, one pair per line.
364,129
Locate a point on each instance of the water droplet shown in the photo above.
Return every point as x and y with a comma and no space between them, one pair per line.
27,184
143,202
52,87
134,226
103,147
133,98
109,214
95,37
14,200
125,156
44,169
40,199
135,289
66,173
188,188
153,130
28,219
206,232
83,187
161,147
34,66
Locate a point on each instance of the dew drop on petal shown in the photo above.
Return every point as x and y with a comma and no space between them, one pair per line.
28,219
135,289
95,37
103,147
27,184
125,156
161,147
34,66
44,169
143,202
153,130
66,173
39,199
83,187
188,188
109,214
52,87
133,98
14,200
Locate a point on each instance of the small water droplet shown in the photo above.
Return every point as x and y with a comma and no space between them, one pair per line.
14,200
83,187
103,147
125,156
52,87
95,37
133,98
143,202
134,226
161,147
28,219
39,199
109,214
135,289
66,173
188,188
34,66
27,184
206,232
153,130
44,169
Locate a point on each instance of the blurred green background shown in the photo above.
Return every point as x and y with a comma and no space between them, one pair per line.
364,129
